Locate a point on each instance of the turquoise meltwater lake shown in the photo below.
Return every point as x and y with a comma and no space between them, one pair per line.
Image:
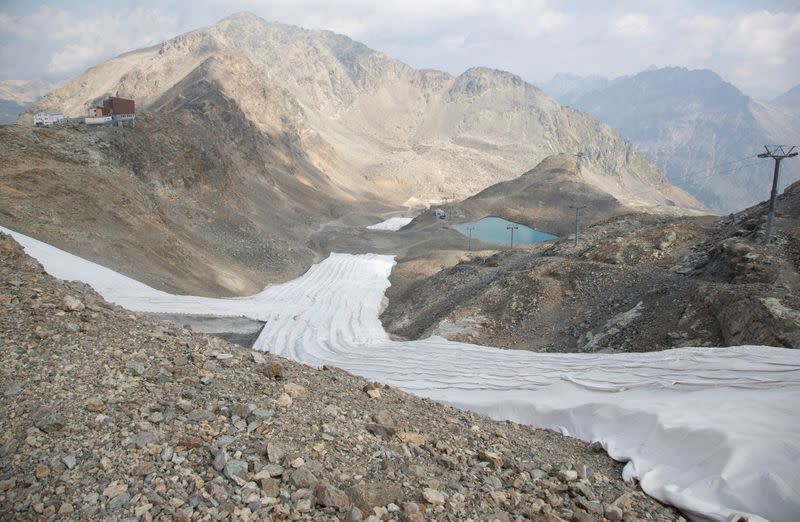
493,230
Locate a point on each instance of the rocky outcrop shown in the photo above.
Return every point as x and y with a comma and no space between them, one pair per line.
746,319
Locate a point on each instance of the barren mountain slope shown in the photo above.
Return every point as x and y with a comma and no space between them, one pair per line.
368,121
635,283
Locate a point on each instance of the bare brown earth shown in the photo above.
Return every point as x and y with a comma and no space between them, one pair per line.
194,202
110,415
634,283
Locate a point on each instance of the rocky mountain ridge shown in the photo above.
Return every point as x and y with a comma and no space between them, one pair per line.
543,197
368,121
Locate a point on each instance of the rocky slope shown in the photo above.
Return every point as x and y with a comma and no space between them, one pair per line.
695,126
109,415
634,283
194,200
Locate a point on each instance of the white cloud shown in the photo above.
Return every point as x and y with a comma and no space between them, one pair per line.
451,43
346,25
762,35
545,22
78,42
632,25
533,38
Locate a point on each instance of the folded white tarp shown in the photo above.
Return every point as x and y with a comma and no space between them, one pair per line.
712,431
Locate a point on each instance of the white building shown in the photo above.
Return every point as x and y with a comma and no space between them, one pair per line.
47,118
124,120
101,120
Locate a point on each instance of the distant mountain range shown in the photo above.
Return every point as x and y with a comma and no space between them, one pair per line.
17,95
700,130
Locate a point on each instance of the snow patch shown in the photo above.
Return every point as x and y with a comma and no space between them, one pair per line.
712,431
391,224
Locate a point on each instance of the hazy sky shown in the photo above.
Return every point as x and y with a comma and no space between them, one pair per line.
753,44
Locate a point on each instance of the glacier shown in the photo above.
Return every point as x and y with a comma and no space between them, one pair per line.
392,224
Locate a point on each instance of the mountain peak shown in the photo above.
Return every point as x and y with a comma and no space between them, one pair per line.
245,24
243,16
790,99
486,72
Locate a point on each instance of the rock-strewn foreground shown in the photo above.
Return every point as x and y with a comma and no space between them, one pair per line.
108,414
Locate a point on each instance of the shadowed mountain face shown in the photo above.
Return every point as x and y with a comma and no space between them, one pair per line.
198,201
251,136
700,130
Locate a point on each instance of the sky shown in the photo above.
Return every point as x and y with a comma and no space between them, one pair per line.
753,44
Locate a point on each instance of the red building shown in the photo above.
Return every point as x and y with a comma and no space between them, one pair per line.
117,106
